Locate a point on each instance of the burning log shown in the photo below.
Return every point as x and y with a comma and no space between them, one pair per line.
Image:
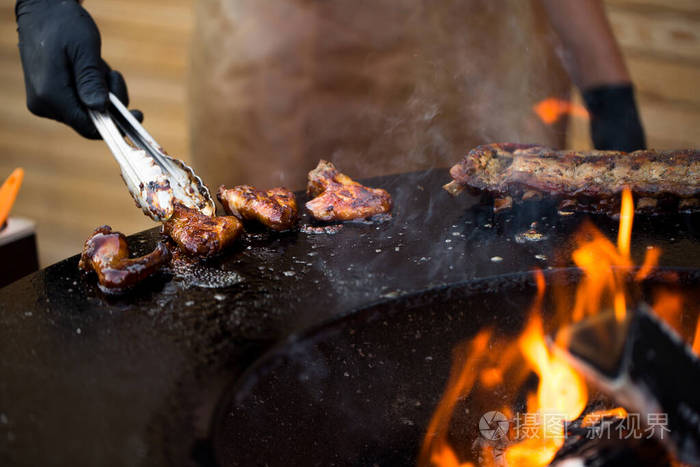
642,364
611,441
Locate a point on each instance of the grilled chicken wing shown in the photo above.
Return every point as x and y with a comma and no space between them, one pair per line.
275,208
201,235
338,197
107,253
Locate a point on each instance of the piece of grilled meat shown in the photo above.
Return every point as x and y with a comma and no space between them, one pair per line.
582,180
338,198
201,235
107,254
275,208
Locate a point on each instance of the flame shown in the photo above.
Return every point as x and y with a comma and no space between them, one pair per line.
560,388
492,376
461,380
489,364
651,259
624,234
668,306
552,109
596,256
605,266
561,393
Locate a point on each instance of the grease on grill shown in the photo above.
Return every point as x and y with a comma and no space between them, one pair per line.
319,230
201,275
375,219
530,236
193,271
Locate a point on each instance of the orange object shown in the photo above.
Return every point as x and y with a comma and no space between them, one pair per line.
8,193
552,109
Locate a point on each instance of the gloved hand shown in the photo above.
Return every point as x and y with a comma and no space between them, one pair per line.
615,123
64,74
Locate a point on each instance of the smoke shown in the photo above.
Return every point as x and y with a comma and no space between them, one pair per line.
374,86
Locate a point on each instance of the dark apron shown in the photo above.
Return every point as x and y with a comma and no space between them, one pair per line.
376,86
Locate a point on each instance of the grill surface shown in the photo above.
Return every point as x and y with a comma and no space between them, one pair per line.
361,390
86,377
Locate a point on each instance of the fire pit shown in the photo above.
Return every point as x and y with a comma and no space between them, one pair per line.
372,390
363,390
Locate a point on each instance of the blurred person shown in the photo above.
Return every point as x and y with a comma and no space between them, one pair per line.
376,86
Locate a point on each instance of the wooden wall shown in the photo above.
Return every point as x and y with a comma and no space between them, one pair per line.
661,43
72,185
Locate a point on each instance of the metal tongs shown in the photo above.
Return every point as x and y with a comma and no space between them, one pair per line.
155,180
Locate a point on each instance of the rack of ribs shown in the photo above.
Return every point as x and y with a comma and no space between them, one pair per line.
582,180
336,197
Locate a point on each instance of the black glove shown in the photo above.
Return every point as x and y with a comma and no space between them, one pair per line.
615,123
64,74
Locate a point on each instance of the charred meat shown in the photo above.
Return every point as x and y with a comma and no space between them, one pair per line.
336,197
201,235
275,208
107,254
590,180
